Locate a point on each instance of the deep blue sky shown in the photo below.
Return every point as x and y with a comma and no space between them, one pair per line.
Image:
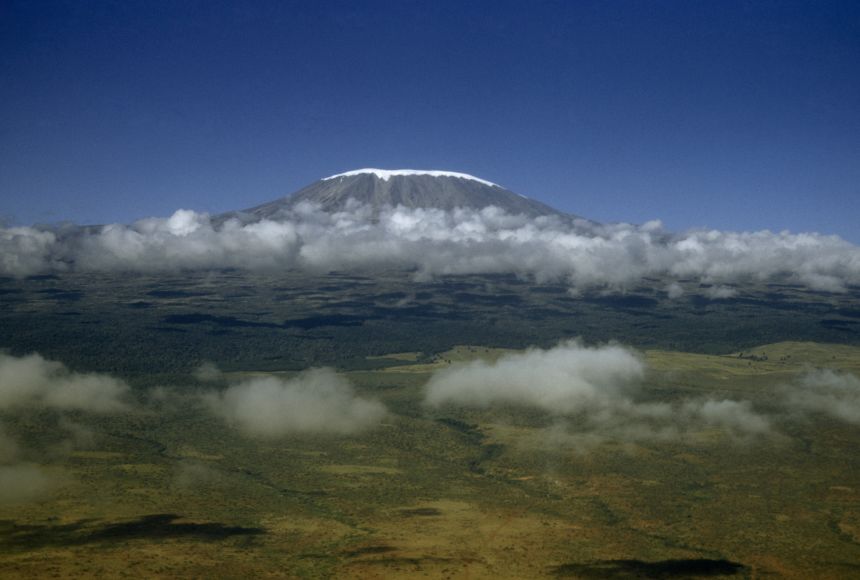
734,115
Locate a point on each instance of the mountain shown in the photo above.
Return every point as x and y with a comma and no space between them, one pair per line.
407,187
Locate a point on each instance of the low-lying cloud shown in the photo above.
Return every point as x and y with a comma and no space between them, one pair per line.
437,242
564,379
32,381
20,481
316,401
828,392
23,482
594,395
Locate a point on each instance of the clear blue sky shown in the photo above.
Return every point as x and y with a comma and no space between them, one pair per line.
733,115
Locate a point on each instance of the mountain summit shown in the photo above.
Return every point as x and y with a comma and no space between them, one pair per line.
410,188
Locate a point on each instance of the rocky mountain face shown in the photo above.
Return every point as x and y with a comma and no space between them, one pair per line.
409,188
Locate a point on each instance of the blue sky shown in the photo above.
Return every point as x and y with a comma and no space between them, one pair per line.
732,115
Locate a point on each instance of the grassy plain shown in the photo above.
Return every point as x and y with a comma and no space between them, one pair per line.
169,490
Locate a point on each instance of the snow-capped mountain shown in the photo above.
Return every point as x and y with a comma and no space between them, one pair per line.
407,187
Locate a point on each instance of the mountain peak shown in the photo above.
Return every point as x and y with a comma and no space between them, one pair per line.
386,174
408,188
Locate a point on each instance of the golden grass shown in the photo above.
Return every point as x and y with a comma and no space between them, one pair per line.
407,500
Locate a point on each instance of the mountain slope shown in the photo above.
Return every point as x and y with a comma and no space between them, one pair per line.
406,187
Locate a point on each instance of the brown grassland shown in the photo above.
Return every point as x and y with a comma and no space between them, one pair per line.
170,491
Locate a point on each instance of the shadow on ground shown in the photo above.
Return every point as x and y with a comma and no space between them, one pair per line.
149,527
691,568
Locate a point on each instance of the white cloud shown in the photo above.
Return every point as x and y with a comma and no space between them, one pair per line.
32,381
595,395
565,379
436,242
736,417
25,251
674,290
825,391
315,401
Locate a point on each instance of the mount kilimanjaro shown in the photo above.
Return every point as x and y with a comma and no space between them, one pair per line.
406,187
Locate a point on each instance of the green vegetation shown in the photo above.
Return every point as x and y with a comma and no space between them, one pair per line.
170,490
449,492
139,325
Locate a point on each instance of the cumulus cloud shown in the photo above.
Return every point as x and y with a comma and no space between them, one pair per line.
674,290
435,242
832,393
32,381
25,251
315,401
564,379
594,394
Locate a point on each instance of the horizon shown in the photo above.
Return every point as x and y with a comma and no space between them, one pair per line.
733,117
612,331
385,174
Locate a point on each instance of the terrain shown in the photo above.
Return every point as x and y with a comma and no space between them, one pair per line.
166,489
297,319
163,417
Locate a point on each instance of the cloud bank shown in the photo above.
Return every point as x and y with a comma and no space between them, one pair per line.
564,379
827,392
33,381
436,242
594,393
316,401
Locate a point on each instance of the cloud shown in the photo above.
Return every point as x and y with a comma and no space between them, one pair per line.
674,290
79,436
626,421
832,393
594,395
720,292
735,417
20,482
25,251
315,401
23,483
435,242
208,372
565,379
32,381
189,474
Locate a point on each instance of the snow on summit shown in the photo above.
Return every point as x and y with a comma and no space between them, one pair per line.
386,174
